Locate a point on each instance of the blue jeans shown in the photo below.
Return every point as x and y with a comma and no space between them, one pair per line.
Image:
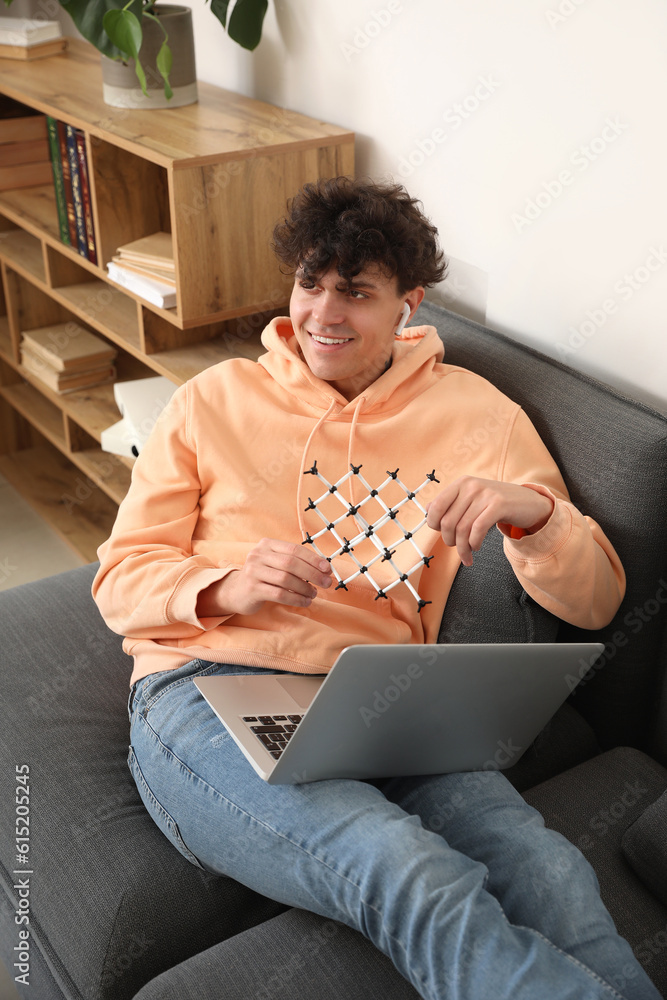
454,877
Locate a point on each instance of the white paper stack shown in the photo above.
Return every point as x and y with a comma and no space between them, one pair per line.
141,401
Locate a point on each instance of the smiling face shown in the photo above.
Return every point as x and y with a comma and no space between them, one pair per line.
346,330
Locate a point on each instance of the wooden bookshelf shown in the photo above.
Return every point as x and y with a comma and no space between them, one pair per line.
217,176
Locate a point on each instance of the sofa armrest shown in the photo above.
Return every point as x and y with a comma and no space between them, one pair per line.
296,954
644,845
112,904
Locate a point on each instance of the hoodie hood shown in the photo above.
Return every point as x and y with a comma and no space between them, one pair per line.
414,356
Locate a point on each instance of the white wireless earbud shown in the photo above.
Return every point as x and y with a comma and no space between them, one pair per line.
404,318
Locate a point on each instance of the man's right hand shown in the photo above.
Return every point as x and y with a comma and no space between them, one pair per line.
277,571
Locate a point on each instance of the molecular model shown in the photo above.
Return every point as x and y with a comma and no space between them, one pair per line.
369,530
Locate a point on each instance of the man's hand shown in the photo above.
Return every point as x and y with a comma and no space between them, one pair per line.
276,571
466,509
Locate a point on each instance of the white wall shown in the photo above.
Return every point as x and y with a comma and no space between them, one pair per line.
482,107
534,132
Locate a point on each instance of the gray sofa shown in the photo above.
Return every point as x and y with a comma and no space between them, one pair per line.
115,912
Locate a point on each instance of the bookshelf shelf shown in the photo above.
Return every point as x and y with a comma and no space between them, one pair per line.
105,471
23,252
106,309
34,209
216,175
36,408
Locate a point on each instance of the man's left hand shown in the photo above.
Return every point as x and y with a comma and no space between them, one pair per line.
466,509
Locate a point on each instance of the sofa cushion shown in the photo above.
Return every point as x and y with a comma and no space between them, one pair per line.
488,604
112,904
645,846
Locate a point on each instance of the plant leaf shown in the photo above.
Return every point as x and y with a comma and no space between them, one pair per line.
164,58
124,30
245,22
88,17
218,7
163,62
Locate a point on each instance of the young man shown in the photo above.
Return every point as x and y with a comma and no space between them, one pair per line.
205,573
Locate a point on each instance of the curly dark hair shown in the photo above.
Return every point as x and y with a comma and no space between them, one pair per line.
355,224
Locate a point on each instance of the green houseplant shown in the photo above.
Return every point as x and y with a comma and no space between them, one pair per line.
116,28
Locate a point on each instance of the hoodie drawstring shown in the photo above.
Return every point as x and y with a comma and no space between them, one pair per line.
350,445
299,512
350,448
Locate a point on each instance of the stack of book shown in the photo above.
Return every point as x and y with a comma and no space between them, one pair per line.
24,148
67,357
21,38
69,167
146,267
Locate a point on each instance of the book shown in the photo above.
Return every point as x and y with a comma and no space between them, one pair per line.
77,198
23,175
154,291
156,250
58,183
167,277
39,51
62,382
68,347
85,196
67,184
27,31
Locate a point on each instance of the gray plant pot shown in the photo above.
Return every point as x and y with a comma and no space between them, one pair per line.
121,88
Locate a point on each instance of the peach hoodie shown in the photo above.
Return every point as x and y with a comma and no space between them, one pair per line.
226,465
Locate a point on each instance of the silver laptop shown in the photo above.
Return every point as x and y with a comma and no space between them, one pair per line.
404,709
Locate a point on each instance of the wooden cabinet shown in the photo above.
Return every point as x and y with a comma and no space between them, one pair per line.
217,175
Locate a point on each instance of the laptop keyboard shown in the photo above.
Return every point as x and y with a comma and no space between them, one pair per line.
274,731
